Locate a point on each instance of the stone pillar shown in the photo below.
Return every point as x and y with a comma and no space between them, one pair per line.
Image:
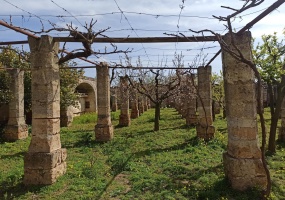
146,104
125,114
104,127
242,161
45,160
114,105
191,115
205,128
16,128
281,135
141,105
134,104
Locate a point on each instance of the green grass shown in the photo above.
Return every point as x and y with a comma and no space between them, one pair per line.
137,164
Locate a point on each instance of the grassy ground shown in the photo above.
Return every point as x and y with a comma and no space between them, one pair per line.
137,164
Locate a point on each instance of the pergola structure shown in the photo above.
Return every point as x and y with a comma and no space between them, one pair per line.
45,160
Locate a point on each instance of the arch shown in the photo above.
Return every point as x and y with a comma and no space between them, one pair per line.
88,95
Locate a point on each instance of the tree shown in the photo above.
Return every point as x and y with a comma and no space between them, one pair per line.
13,58
269,58
218,93
157,86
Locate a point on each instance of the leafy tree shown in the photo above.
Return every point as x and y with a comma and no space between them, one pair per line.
13,58
218,94
69,79
269,58
10,58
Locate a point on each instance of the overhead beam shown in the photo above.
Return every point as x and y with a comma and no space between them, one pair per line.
142,39
130,40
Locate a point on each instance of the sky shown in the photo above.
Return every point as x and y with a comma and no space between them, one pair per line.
138,18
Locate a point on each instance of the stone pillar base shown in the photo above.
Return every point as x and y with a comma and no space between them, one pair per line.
135,114
15,132
281,135
205,133
104,132
44,168
124,120
191,120
244,173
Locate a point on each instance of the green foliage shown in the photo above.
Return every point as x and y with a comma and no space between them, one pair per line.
269,58
9,58
13,58
137,164
218,93
69,79
4,87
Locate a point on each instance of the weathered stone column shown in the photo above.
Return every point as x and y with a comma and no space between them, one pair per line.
45,160
191,115
16,128
125,114
205,128
114,105
146,104
281,135
141,105
242,161
134,104
104,127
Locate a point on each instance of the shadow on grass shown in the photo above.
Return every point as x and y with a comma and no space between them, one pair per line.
10,191
120,164
117,169
19,154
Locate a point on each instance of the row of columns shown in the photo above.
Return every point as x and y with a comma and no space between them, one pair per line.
45,160
195,103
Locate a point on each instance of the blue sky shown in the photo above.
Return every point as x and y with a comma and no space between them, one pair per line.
141,18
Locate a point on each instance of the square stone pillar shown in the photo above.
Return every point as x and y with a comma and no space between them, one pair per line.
16,128
146,104
242,161
191,103
104,127
45,160
124,119
114,105
141,105
205,128
134,104
281,135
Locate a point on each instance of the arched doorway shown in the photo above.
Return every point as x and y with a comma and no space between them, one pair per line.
87,96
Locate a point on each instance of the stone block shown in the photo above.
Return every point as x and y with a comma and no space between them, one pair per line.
43,176
43,109
191,120
244,174
242,133
281,135
104,132
44,160
104,119
45,127
134,113
243,148
124,120
45,143
15,132
205,133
